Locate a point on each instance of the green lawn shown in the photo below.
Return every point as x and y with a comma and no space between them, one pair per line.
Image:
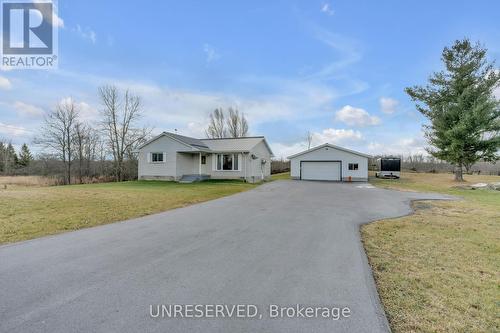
28,211
438,270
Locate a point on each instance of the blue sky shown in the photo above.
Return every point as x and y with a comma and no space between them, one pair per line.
334,68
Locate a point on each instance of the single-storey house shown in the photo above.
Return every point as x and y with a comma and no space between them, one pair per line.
170,156
329,162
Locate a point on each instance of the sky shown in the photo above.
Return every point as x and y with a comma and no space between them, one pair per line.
336,69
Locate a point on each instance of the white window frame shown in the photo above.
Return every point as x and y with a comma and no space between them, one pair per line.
355,166
163,157
236,156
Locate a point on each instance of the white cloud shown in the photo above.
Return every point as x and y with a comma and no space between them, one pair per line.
336,136
356,116
162,105
388,105
346,53
11,130
28,109
329,135
5,83
86,33
85,111
402,146
57,21
210,53
282,150
327,9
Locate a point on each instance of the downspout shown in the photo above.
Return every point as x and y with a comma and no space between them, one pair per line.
199,164
245,165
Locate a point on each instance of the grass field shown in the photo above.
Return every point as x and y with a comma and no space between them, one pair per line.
438,270
32,211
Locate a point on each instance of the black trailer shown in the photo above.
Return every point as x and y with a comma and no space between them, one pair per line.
389,167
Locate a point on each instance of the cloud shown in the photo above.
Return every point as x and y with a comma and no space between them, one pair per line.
336,136
5,83
388,105
356,117
329,135
327,9
263,100
85,111
28,110
86,33
210,53
282,150
11,130
57,21
402,146
286,99
346,51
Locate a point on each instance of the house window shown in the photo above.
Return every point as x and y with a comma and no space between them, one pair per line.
227,162
156,157
203,160
353,166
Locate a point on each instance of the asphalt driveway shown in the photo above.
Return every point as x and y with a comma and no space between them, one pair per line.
284,243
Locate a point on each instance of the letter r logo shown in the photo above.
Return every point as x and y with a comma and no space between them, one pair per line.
27,27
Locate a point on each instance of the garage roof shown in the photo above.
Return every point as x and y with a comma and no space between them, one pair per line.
331,146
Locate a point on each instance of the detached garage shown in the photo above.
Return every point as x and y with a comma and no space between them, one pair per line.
329,162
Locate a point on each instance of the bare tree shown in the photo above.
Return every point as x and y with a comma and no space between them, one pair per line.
309,139
217,126
57,133
90,147
120,116
79,138
237,125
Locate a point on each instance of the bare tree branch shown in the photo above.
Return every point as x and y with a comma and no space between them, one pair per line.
119,120
57,133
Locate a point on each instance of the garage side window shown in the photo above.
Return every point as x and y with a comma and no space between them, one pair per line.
157,157
353,166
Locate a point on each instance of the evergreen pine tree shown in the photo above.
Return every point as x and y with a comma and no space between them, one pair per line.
463,112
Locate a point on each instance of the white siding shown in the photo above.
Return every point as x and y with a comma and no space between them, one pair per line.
165,170
256,168
179,161
186,164
332,154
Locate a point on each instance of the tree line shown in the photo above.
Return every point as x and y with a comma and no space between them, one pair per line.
10,160
80,151
78,144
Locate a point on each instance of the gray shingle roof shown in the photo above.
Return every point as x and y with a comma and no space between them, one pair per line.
188,140
216,145
233,144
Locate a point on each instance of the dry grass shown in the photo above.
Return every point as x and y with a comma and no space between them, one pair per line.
282,175
439,269
30,212
28,181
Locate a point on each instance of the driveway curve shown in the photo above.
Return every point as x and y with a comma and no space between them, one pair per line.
283,243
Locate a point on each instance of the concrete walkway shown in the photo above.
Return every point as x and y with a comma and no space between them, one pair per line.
283,243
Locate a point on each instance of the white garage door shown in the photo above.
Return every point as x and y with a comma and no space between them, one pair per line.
320,170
